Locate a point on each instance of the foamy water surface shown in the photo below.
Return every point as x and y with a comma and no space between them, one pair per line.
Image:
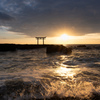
42,76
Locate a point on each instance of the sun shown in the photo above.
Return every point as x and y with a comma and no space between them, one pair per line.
64,37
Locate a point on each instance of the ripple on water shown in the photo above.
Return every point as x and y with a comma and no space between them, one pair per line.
33,74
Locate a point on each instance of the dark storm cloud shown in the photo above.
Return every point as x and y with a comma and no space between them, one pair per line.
44,17
4,16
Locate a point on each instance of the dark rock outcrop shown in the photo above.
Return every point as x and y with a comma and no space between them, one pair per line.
81,46
28,47
7,47
49,48
58,48
14,47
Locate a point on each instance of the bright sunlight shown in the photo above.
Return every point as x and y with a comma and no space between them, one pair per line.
64,36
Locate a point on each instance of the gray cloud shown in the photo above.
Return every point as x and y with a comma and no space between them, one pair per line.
4,16
45,17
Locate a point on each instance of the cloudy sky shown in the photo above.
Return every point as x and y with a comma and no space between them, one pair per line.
25,19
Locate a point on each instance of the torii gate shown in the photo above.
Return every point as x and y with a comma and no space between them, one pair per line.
40,38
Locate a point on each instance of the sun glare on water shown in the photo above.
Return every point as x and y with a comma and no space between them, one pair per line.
64,37
65,72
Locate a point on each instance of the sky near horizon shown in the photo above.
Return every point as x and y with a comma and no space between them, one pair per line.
23,20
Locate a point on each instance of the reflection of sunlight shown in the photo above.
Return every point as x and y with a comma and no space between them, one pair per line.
66,72
63,57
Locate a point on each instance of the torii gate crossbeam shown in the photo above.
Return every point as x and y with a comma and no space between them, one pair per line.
40,38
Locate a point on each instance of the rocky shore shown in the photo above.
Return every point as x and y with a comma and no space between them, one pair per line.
49,48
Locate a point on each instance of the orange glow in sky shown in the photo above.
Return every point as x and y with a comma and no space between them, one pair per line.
64,36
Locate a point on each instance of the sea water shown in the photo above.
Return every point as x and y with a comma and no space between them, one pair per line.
33,74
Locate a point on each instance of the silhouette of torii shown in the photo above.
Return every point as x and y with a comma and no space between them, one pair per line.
40,38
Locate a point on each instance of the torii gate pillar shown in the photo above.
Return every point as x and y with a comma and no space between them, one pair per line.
40,38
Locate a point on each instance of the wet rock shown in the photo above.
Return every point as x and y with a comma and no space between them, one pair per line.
95,96
3,90
14,85
58,48
84,47
81,46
